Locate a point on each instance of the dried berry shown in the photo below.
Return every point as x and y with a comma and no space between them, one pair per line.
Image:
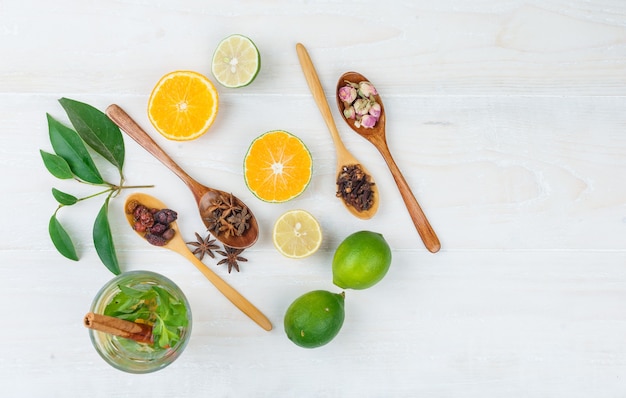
158,229
168,234
131,205
153,223
139,227
138,210
146,218
165,216
155,240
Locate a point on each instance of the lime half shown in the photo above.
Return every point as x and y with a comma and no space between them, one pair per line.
236,61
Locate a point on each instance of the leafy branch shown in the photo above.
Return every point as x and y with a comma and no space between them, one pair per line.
72,160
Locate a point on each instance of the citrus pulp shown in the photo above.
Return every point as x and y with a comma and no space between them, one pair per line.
236,61
297,234
183,105
277,167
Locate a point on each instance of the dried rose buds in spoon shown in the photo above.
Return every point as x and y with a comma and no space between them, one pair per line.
359,103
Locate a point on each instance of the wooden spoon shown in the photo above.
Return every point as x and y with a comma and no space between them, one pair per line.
178,245
344,157
376,136
204,195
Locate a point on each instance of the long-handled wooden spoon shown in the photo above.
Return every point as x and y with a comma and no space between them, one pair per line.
204,196
376,136
344,157
178,245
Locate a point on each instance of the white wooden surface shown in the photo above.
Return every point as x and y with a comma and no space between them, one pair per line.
507,118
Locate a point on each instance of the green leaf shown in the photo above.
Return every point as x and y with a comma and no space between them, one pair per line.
64,198
103,239
97,130
61,239
56,165
69,146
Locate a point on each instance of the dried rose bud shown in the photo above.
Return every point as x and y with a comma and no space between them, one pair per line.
362,106
155,240
349,112
375,110
347,94
368,121
366,89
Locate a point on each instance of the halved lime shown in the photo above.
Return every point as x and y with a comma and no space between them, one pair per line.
236,61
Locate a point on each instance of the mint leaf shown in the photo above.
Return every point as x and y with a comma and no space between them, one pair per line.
68,145
61,239
56,165
97,130
64,198
103,239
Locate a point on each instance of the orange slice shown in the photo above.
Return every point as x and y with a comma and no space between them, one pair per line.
278,166
183,105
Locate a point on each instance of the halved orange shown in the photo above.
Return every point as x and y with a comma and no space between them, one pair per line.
278,166
183,105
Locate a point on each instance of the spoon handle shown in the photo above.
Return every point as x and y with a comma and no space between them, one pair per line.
424,229
228,291
318,93
132,129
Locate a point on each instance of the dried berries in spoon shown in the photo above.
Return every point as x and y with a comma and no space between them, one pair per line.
153,223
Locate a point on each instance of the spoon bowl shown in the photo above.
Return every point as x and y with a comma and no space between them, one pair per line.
178,245
377,136
344,157
205,196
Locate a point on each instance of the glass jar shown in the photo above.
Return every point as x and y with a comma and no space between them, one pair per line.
128,355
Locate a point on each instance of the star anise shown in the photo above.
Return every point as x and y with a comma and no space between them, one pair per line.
239,221
229,205
232,256
203,246
213,222
216,205
227,229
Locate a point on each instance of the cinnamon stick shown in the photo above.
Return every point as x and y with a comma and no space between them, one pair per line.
140,332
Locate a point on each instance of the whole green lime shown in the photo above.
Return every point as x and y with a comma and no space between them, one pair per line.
361,260
315,318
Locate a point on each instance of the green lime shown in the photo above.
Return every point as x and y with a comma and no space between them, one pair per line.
236,61
361,260
315,318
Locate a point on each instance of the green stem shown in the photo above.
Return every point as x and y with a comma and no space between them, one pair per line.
96,194
135,186
118,189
